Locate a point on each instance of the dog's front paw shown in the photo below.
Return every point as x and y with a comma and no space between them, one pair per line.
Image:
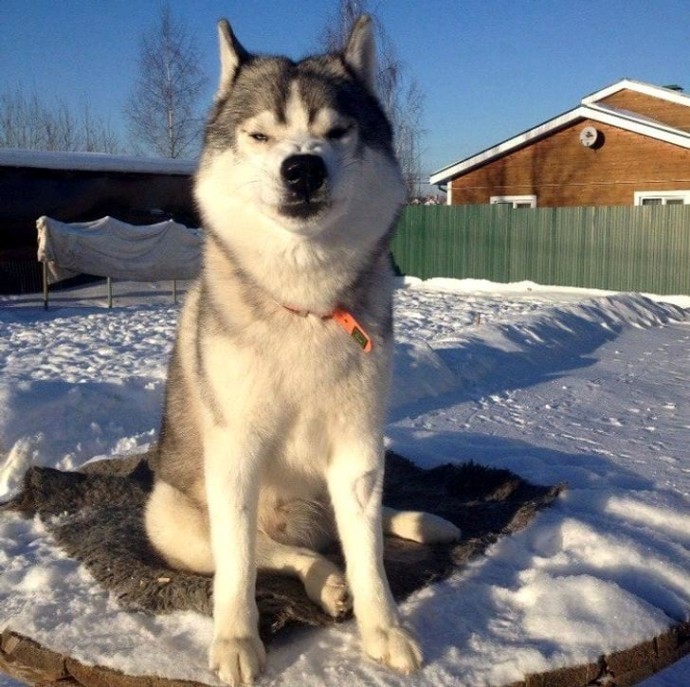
237,660
394,647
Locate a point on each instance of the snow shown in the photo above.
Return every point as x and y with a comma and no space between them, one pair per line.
558,385
95,162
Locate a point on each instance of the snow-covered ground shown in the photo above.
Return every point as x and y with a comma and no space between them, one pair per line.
558,385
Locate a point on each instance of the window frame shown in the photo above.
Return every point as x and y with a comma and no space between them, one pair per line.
640,196
517,202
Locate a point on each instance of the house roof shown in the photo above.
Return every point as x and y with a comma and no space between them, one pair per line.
590,108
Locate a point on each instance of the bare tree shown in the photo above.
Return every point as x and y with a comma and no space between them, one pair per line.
162,109
20,122
97,135
27,122
400,94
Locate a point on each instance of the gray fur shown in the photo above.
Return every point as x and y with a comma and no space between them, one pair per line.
262,83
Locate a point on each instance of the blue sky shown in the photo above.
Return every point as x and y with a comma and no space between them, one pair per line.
489,68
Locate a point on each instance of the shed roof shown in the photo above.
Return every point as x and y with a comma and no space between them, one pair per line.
95,162
590,108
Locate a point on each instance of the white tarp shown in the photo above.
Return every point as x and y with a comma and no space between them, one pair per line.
110,248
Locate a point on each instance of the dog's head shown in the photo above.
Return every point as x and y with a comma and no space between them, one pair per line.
302,144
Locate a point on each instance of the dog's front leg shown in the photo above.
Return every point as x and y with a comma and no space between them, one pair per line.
232,486
355,481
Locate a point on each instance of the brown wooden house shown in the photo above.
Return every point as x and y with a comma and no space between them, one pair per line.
627,144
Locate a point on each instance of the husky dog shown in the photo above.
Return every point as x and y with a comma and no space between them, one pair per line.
272,437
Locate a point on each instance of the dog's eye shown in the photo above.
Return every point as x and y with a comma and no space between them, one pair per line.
258,136
338,132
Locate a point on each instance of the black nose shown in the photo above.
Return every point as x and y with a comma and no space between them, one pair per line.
304,175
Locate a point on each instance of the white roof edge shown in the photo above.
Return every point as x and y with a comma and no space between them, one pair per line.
506,146
95,162
660,132
631,116
596,113
640,87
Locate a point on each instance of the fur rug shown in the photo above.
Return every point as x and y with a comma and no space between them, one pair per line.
99,522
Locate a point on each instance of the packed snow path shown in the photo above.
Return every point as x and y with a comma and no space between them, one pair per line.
554,387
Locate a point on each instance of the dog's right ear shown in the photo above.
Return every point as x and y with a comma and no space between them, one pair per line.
360,51
232,54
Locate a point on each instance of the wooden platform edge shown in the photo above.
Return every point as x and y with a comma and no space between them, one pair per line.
28,661
25,660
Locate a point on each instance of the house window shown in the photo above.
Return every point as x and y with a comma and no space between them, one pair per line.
662,198
515,201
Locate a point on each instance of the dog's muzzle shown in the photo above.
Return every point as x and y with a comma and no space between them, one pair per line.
305,179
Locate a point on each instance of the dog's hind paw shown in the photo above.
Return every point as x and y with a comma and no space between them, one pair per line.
437,530
237,660
424,528
335,596
326,586
394,647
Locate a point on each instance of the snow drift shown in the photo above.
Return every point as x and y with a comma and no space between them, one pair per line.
555,386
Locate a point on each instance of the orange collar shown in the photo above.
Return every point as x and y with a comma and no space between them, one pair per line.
346,321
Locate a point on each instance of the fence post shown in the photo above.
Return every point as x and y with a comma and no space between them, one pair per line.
44,271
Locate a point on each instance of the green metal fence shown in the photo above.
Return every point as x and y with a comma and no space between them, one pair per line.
620,248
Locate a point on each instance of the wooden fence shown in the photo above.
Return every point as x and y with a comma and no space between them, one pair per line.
620,248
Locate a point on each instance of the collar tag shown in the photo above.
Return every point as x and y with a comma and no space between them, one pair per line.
346,320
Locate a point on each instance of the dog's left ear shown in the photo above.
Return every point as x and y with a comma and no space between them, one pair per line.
360,52
232,54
